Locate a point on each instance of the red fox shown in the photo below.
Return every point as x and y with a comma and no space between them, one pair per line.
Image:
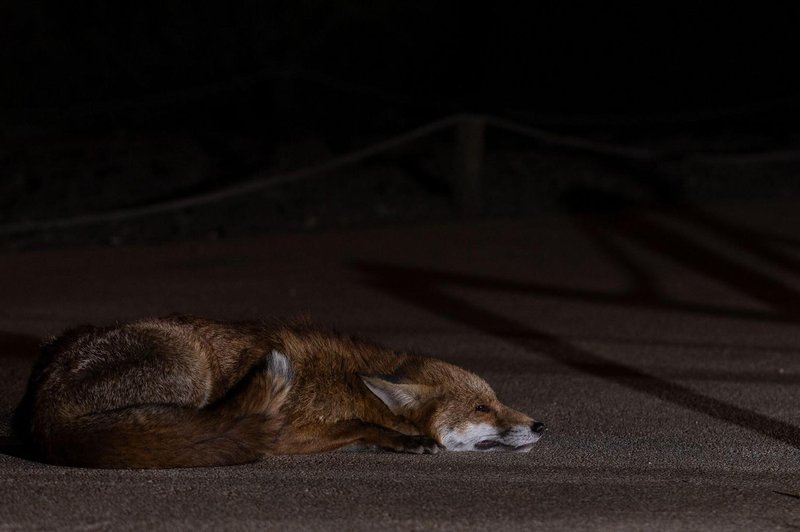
183,391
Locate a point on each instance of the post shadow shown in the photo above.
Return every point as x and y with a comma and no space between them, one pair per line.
424,289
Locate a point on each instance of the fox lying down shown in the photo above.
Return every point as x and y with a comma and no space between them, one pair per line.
183,391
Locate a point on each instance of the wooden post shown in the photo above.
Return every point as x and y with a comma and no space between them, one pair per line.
469,150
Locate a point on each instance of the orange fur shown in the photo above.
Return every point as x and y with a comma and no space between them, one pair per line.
184,391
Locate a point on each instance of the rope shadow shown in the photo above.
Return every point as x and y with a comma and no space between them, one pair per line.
423,289
782,297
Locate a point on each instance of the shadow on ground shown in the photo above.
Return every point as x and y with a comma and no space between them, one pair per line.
426,289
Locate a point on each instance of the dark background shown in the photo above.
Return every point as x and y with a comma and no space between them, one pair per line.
108,106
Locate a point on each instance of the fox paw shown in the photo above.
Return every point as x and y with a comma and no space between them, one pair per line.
416,445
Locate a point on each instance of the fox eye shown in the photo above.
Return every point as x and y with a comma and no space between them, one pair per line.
481,408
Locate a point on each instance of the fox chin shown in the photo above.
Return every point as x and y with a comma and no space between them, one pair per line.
183,391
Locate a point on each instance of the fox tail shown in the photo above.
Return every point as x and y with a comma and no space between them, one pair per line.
240,429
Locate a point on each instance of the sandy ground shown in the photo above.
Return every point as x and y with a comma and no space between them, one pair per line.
661,349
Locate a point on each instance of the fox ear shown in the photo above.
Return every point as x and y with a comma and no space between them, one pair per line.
398,396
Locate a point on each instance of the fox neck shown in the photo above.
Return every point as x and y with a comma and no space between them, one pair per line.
398,423
415,421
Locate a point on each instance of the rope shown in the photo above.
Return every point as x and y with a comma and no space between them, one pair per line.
261,180
605,148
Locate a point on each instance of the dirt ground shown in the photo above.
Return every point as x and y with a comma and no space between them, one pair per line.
660,346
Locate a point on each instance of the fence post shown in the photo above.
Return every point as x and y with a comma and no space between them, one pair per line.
469,154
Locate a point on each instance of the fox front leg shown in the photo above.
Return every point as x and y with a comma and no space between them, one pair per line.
328,437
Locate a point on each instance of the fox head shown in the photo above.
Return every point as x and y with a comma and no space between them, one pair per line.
456,408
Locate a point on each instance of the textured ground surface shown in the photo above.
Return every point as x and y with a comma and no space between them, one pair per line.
662,350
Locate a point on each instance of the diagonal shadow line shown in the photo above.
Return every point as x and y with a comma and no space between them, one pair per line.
668,242
644,284
606,298
414,287
760,243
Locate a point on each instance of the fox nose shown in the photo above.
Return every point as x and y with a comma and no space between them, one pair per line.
538,427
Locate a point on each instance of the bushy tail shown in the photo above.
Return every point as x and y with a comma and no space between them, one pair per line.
240,429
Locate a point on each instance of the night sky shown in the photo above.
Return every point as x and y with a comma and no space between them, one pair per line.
426,58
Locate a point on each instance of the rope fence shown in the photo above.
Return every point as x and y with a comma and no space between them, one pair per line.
469,153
